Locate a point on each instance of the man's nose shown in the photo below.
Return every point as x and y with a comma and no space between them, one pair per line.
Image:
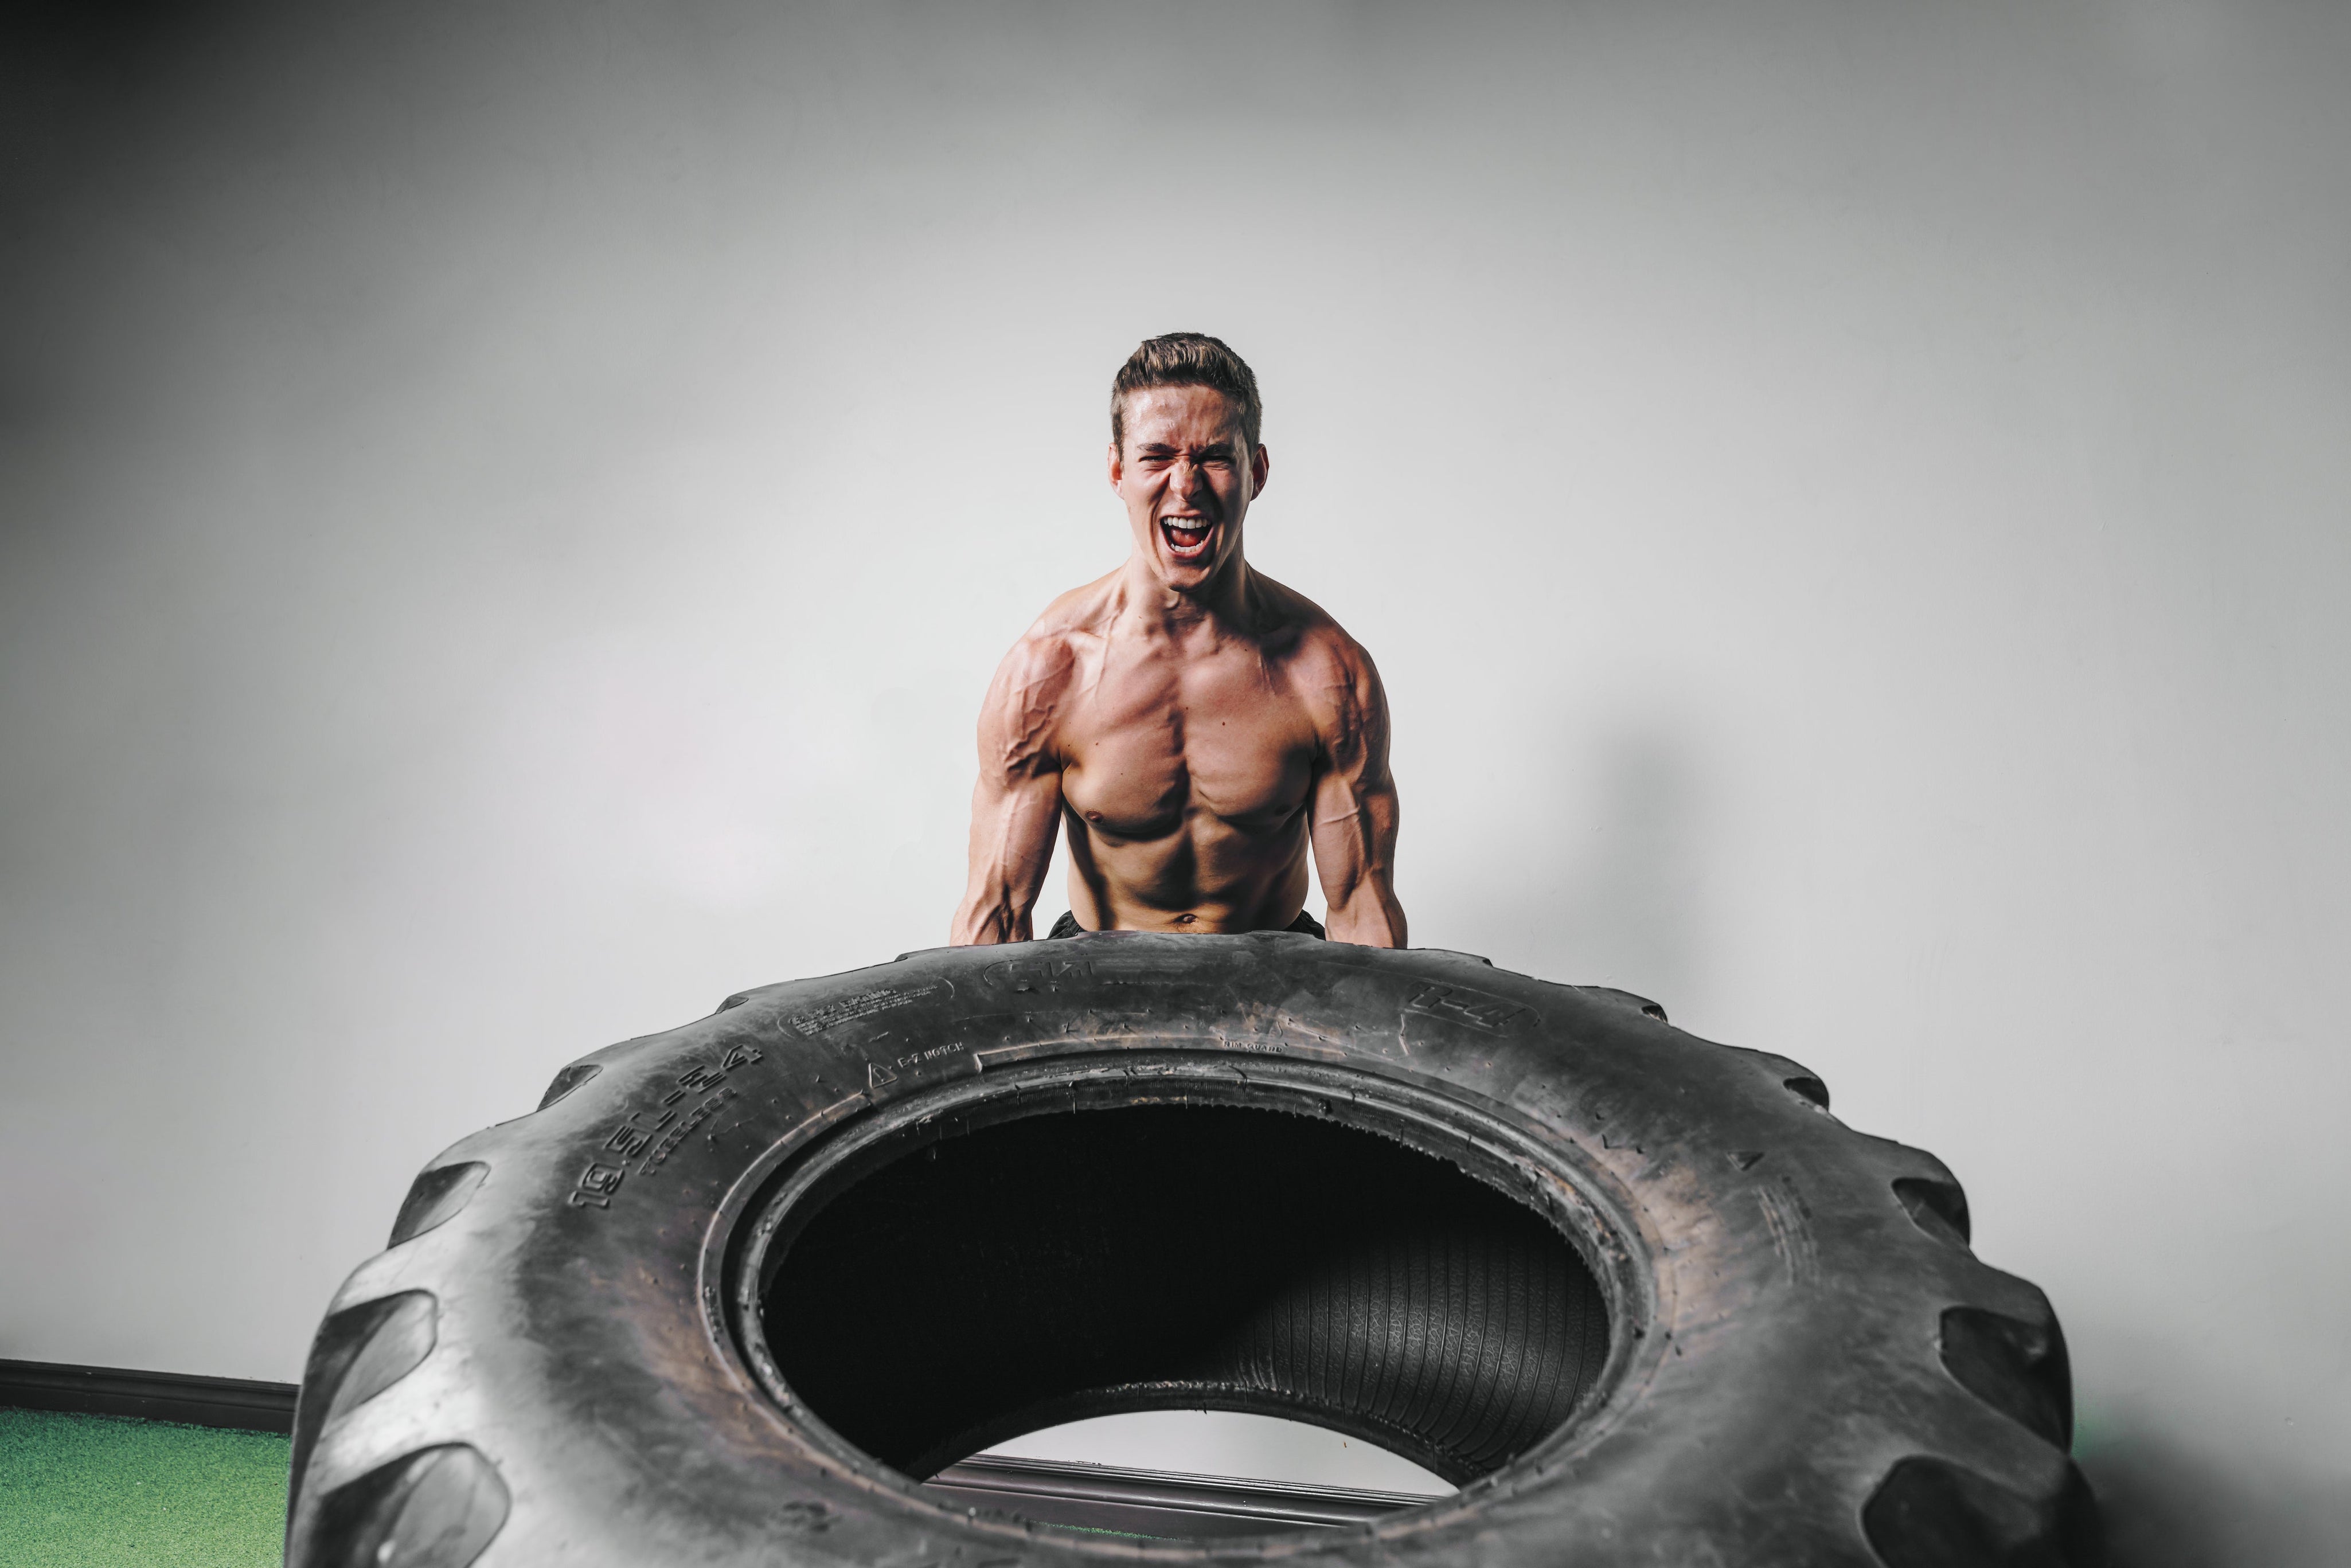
1184,478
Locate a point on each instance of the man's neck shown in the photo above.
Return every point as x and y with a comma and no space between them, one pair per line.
1219,605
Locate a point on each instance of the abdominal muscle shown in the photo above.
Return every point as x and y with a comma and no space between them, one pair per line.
1195,869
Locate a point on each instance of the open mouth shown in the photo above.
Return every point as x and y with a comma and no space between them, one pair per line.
1188,537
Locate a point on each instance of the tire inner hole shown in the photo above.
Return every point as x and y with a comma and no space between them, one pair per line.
1061,1266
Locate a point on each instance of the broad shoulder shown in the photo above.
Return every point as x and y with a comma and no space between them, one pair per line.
1083,613
1317,647
1050,651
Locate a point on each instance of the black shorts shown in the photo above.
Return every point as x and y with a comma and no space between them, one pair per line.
1067,925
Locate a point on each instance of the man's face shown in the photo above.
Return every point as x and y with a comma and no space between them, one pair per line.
1187,477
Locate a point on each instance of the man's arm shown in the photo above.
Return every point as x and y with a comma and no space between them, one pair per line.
1016,808
1354,826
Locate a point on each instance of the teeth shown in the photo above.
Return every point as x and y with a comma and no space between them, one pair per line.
1187,536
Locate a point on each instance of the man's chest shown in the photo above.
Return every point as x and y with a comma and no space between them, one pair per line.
1234,740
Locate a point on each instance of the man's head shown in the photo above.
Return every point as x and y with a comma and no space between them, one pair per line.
1183,455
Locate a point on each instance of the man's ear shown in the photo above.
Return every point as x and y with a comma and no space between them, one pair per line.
1260,465
1113,465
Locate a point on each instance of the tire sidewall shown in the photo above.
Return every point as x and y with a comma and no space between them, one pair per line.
593,1292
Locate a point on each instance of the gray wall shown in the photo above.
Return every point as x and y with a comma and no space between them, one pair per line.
508,512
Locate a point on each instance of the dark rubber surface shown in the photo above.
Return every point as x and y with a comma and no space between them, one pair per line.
1186,1258
735,1289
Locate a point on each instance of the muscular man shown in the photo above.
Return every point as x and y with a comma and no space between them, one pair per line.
1196,724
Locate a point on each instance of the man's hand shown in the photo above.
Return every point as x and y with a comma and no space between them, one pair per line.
1354,824
1016,808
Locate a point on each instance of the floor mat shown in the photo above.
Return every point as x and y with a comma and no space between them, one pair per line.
107,1491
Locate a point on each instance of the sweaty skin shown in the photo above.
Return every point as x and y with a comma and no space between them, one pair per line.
1196,724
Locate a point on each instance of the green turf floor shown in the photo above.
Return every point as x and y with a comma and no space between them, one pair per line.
104,1491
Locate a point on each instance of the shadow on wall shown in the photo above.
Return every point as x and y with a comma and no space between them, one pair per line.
1628,905
2165,1508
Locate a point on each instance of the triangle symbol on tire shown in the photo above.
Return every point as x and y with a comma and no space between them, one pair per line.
876,1075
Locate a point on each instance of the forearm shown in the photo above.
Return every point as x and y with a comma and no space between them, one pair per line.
1354,855
1369,915
997,905
1369,922
981,921
1011,849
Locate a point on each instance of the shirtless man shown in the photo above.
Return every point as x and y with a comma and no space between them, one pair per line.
1199,725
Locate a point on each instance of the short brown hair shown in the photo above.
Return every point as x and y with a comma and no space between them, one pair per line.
1186,359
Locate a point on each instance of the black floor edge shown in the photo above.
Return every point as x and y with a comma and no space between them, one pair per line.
232,1402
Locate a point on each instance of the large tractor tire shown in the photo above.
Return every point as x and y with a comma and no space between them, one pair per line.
733,1291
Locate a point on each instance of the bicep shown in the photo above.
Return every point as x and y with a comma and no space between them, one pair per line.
1355,796
1015,809
1017,800
1355,817
1017,718
1356,743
